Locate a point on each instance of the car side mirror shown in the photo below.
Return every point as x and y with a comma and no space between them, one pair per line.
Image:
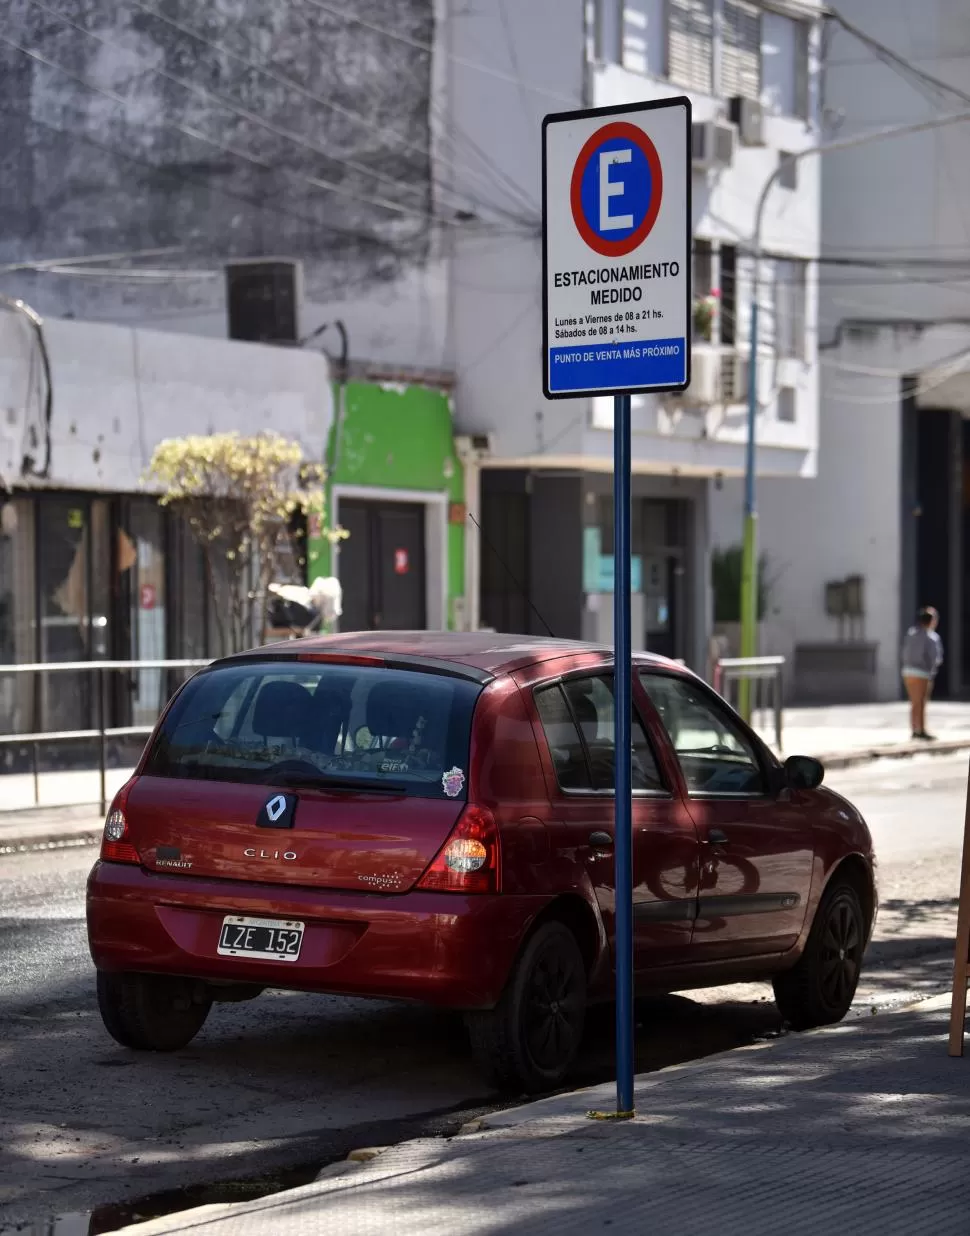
802,772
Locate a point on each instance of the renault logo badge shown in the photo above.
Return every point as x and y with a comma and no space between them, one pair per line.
277,812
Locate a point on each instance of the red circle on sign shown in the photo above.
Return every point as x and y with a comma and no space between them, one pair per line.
617,248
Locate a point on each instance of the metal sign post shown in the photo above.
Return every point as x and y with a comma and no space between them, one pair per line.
616,262
961,960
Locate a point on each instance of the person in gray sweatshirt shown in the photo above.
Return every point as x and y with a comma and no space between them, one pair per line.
922,657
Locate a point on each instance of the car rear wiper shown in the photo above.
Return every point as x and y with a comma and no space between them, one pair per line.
358,785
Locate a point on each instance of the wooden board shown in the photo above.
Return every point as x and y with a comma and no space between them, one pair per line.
961,960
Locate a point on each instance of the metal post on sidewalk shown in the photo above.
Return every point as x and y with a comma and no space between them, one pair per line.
623,713
102,744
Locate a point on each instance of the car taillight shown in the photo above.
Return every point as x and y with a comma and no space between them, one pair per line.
116,844
468,862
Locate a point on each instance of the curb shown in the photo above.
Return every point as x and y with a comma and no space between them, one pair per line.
55,839
901,751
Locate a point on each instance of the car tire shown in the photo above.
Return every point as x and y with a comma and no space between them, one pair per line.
530,1040
820,988
151,1012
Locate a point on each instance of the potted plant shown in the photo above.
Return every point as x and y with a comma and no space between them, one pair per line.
705,308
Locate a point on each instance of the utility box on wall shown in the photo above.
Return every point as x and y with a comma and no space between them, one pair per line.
263,301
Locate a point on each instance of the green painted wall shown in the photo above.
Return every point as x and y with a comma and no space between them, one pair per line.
387,436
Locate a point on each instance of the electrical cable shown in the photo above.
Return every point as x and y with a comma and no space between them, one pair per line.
280,78
254,117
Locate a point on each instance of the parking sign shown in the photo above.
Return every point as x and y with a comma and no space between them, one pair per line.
616,244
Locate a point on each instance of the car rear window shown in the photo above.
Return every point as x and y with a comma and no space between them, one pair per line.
296,723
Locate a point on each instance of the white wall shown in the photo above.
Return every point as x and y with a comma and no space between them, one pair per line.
118,392
539,50
904,196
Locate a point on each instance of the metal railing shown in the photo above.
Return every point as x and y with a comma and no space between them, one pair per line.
753,685
101,731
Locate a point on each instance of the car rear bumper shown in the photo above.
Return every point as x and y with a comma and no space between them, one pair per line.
438,948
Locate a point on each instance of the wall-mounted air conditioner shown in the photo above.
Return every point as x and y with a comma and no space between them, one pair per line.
705,369
713,144
749,117
733,379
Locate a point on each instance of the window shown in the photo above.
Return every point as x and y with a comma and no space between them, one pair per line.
789,307
715,757
690,44
729,294
740,50
786,404
577,719
641,36
784,64
277,723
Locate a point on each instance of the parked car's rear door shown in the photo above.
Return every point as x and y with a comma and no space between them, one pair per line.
756,843
574,717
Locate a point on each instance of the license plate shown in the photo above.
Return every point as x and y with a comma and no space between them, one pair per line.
270,939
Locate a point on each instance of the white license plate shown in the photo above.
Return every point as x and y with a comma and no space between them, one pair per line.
269,939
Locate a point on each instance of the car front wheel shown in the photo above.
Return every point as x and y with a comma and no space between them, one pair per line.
819,990
530,1040
151,1012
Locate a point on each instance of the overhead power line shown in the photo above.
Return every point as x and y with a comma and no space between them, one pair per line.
197,134
282,79
889,56
236,109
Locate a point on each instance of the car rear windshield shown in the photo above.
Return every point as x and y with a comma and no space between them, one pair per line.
306,724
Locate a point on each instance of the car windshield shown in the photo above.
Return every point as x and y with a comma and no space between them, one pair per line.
308,724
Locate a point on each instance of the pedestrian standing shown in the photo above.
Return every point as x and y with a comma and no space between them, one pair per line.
922,658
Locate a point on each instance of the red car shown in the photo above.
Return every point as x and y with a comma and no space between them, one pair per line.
429,817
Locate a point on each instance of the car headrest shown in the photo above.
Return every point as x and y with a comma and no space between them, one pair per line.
393,709
586,714
281,710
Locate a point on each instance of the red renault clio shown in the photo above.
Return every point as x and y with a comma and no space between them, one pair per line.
429,817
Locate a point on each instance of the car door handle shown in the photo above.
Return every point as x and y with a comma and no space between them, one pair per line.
716,837
601,841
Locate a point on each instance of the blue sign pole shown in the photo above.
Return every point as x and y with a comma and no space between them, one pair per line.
623,801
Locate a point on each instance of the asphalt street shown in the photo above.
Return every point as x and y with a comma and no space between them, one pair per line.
289,1082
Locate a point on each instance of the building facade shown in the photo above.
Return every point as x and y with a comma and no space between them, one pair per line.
883,527
392,149
92,567
751,71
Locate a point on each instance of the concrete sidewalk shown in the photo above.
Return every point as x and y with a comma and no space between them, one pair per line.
861,1129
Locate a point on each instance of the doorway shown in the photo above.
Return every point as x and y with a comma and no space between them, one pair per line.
383,567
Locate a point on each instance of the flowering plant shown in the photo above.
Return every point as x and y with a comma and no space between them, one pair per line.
705,308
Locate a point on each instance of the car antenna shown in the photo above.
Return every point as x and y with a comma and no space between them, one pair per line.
505,567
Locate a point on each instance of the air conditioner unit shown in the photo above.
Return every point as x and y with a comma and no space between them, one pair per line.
749,117
705,369
734,379
713,144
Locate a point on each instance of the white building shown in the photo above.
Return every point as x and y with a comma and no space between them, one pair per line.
889,504
546,505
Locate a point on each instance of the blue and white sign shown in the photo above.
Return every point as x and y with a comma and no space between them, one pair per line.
616,250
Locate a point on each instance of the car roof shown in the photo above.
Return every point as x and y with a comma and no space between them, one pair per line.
488,652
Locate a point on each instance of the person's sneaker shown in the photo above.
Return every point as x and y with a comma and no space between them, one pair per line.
924,737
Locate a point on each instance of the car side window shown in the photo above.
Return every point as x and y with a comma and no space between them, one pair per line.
714,754
577,717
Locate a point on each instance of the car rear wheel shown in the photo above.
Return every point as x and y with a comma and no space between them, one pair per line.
819,990
530,1040
151,1012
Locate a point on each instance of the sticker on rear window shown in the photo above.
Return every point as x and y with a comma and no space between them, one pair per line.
453,782
394,766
